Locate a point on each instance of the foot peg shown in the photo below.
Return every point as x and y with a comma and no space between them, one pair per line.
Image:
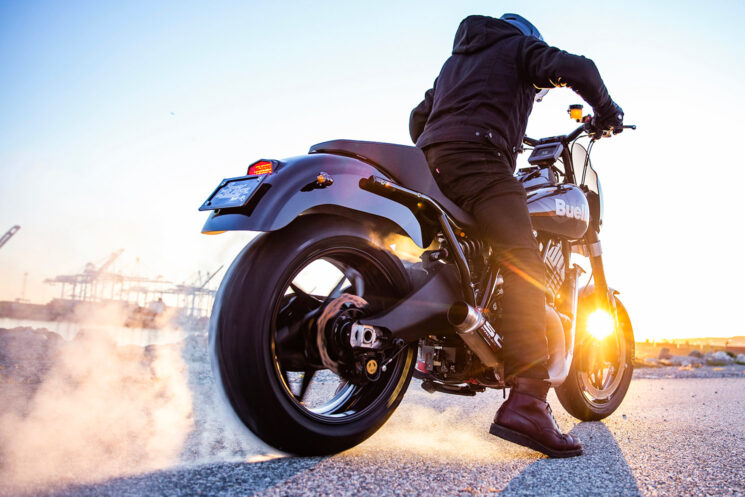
471,325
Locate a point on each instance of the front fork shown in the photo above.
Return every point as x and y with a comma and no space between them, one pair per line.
603,295
603,298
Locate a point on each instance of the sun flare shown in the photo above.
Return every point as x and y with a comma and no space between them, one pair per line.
600,324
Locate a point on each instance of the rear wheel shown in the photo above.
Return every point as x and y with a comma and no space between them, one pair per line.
296,389
601,370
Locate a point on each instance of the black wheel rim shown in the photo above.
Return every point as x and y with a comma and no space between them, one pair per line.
320,394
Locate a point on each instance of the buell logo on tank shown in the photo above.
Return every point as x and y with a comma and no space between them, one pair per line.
572,211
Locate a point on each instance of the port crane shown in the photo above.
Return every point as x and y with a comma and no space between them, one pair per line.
192,295
100,283
87,280
9,234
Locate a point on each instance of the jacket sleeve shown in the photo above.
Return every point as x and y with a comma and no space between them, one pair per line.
546,67
420,114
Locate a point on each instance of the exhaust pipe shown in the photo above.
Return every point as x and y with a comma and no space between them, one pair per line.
479,335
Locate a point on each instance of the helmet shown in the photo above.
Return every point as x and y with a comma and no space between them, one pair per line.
525,26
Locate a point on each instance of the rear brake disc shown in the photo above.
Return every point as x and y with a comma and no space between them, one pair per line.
330,313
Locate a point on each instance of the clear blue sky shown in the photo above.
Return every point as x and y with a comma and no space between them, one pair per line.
117,119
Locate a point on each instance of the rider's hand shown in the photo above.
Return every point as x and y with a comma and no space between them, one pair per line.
607,122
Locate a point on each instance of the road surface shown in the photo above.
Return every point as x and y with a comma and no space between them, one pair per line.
669,437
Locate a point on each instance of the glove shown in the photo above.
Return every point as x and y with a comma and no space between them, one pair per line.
607,122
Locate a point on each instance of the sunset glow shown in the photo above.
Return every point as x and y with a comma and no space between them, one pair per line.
118,123
600,324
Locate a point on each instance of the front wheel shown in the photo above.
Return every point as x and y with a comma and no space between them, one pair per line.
290,387
601,369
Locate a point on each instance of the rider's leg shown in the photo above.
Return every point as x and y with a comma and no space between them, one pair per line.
481,181
525,418
506,222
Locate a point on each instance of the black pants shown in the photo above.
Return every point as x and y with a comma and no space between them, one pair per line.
480,180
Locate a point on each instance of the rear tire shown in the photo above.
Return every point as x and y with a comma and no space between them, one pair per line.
246,352
579,396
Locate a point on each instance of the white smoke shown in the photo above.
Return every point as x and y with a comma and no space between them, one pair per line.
101,411
86,410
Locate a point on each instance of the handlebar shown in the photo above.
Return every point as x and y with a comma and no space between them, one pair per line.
584,127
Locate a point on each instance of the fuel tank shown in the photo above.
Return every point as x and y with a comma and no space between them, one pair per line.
560,210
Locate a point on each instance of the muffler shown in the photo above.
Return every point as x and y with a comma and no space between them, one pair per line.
479,335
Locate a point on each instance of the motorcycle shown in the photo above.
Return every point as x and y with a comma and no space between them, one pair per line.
320,324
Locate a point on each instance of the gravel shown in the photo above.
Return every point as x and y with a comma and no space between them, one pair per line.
685,372
670,437
678,432
719,358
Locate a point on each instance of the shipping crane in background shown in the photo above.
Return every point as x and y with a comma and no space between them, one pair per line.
9,234
106,291
188,302
85,285
195,298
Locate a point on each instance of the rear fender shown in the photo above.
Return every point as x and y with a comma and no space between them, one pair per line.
292,191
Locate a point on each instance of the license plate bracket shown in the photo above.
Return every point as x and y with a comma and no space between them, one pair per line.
233,192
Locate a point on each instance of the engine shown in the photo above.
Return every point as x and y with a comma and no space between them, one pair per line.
553,253
447,361
555,262
445,364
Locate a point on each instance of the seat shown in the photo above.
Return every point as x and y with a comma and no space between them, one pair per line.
406,165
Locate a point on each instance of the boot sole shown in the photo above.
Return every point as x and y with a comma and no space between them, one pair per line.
524,440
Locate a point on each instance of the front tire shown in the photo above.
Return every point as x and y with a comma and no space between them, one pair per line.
261,295
596,384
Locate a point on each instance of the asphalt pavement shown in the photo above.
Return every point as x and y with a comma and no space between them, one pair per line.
669,437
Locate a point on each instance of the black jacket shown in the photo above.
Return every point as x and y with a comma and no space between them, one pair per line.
485,90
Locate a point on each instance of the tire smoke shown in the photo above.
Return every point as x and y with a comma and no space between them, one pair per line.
100,411
86,410
423,431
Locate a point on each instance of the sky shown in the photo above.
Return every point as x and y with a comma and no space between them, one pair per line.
118,119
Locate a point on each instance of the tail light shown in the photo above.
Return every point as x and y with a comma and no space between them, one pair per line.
261,167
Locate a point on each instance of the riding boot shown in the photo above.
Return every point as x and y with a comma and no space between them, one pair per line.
525,418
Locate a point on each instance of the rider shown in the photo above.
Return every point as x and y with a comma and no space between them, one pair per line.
470,126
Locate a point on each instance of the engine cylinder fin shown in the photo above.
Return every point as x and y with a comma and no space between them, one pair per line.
471,247
555,267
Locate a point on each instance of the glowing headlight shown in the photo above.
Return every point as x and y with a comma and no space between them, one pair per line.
600,324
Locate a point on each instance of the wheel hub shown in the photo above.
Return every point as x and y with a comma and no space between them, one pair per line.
347,348
608,382
332,326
